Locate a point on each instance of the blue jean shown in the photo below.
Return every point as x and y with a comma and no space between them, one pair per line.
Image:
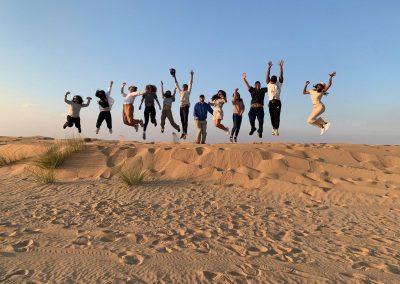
237,121
257,112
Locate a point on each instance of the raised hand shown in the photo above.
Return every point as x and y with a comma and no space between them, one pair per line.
111,83
67,93
123,84
191,72
236,90
270,64
307,82
281,63
88,98
162,83
333,74
244,76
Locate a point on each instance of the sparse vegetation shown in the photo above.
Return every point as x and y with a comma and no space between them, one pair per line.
132,176
41,175
7,160
56,155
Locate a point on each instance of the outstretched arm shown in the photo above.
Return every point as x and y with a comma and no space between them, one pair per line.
331,75
65,98
281,73
173,95
141,102
190,81
268,79
245,81
162,89
305,92
88,102
176,84
110,87
122,89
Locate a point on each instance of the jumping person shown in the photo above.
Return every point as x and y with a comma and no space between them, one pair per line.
128,106
316,94
74,109
105,104
168,99
217,101
238,110
149,111
257,105
184,95
200,119
274,93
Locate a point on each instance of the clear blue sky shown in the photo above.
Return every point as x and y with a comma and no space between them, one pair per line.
48,47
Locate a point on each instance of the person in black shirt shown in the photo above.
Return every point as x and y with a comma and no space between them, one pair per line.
257,105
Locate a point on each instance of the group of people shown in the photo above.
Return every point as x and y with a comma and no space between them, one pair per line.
201,108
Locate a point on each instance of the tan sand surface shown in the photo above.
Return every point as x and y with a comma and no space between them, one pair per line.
247,213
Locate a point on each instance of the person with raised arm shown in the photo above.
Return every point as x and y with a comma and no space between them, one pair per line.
184,98
74,111
168,99
128,106
238,110
149,110
316,94
105,104
274,95
200,119
257,105
217,101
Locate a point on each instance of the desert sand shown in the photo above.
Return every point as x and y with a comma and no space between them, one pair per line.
247,213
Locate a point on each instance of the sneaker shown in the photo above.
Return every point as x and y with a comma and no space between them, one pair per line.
97,130
273,132
276,132
155,123
326,126
144,135
110,130
227,131
162,130
260,134
136,126
322,131
183,135
235,139
65,126
252,131
231,139
141,123
179,129
79,130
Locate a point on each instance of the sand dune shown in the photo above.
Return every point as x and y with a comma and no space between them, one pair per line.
253,213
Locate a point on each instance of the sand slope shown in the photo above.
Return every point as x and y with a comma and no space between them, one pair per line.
255,213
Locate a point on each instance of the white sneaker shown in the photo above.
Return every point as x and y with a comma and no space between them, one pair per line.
273,132
110,131
97,130
276,132
227,131
326,126
322,131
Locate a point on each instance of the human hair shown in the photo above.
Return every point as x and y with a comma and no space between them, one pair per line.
168,94
153,89
148,88
257,82
132,88
201,96
79,99
239,98
185,86
101,94
274,79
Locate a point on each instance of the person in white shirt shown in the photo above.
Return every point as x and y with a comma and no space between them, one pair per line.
184,95
128,106
105,104
316,94
74,110
274,93
217,101
168,99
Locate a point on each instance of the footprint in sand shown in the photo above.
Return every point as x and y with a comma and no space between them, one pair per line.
20,272
23,246
241,251
131,258
141,239
82,241
217,277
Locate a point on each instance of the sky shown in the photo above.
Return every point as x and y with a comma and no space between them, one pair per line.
49,47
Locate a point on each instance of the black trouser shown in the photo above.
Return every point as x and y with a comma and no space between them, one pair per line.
149,111
257,112
73,120
237,121
104,115
184,112
275,112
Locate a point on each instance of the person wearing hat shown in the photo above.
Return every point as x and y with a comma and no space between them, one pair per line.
316,94
128,106
274,95
184,95
257,105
